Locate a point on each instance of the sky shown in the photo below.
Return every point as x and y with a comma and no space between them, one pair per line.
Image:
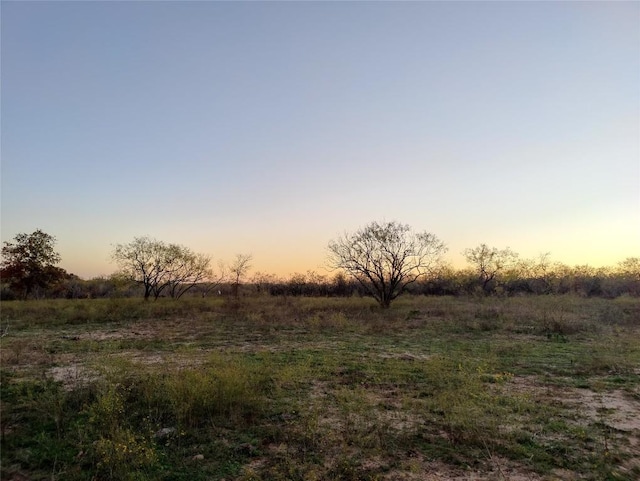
270,128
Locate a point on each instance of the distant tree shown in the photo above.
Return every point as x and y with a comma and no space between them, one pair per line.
539,274
101,286
238,269
443,281
318,283
587,281
340,286
630,268
142,260
489,263
385,258
263,282
158,266
188,269
215,280
627,275
562,278
296,285
30,263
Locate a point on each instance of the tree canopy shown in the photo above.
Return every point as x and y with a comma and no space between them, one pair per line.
30,262
159,266
386,257
490,263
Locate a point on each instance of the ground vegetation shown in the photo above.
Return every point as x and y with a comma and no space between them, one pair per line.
280,387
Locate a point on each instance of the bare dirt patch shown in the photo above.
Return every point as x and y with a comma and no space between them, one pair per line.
72,376
139,330
616,408
419,469
405,356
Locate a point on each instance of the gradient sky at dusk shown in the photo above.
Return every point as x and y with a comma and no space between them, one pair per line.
271,128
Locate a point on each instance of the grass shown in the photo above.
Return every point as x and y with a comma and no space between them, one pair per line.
269,388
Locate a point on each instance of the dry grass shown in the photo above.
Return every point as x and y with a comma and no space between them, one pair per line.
535,388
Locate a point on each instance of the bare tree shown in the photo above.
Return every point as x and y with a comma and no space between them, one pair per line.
159,266
143,261
238,269
189,270
537,272
489,263
630,268
263,281
215,279
386,257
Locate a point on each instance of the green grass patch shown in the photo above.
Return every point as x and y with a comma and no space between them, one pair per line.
272,388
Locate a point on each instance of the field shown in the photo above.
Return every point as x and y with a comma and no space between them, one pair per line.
266,388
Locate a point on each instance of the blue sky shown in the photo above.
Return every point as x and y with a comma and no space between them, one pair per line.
272,127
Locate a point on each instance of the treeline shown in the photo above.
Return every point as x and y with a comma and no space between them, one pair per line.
583,281
383,260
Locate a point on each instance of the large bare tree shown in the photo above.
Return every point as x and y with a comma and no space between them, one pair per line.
159,266
142,260
386,257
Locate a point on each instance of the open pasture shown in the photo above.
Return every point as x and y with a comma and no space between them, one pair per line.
274,388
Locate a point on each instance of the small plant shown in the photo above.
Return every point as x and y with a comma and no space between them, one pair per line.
117,451
124,455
